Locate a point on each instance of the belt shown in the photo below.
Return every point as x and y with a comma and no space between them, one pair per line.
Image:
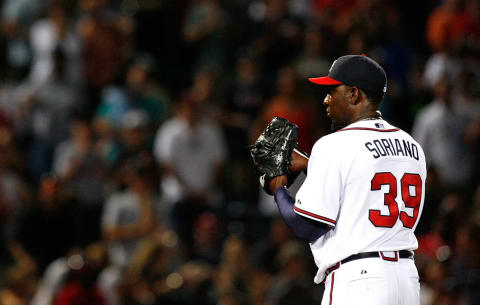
398,254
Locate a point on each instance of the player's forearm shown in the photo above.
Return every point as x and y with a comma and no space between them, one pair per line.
302,227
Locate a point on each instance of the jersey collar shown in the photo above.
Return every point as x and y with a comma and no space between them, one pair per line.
379,125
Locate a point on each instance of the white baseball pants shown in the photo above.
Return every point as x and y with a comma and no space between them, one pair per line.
373,281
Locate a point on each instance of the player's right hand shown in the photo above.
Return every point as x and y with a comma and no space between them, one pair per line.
276,183
299,161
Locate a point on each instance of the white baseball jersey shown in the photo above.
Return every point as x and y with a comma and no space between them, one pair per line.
367,181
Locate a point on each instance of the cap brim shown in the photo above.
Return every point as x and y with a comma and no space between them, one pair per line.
325,80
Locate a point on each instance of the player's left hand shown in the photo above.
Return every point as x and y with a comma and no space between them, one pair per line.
272,152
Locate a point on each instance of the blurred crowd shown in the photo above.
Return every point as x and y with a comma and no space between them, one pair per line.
125,176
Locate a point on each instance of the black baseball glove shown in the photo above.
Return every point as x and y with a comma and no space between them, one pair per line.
272,151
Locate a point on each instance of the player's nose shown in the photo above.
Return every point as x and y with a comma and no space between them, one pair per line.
327,98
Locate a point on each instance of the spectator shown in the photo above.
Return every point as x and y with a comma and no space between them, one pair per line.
292,284
278,235
105,37
234,271
16,194
129,215
49,109
452,23
275,37
152,273
140,92
17,17
80,285
48,35
290,104
46,230
206,239
58,274
82,171
312,60
243,103
20,282
136,138
440,65
441,129
191,151
203,29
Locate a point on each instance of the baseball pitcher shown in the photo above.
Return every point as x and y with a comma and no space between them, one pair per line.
364,192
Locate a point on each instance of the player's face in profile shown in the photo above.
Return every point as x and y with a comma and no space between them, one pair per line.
336,105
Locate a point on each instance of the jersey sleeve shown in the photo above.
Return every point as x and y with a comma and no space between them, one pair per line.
319,197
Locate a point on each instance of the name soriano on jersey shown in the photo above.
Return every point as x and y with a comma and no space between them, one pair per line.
392,147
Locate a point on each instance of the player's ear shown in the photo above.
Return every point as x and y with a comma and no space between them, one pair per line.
355,95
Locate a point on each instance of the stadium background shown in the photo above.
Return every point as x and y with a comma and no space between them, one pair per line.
124,173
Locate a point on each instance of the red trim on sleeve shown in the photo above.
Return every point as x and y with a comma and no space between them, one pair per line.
370,129
331,221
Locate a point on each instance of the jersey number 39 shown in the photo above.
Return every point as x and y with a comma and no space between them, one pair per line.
411,201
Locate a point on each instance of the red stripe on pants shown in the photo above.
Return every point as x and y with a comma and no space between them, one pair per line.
331,288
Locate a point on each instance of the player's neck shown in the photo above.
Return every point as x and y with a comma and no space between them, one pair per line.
370,115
